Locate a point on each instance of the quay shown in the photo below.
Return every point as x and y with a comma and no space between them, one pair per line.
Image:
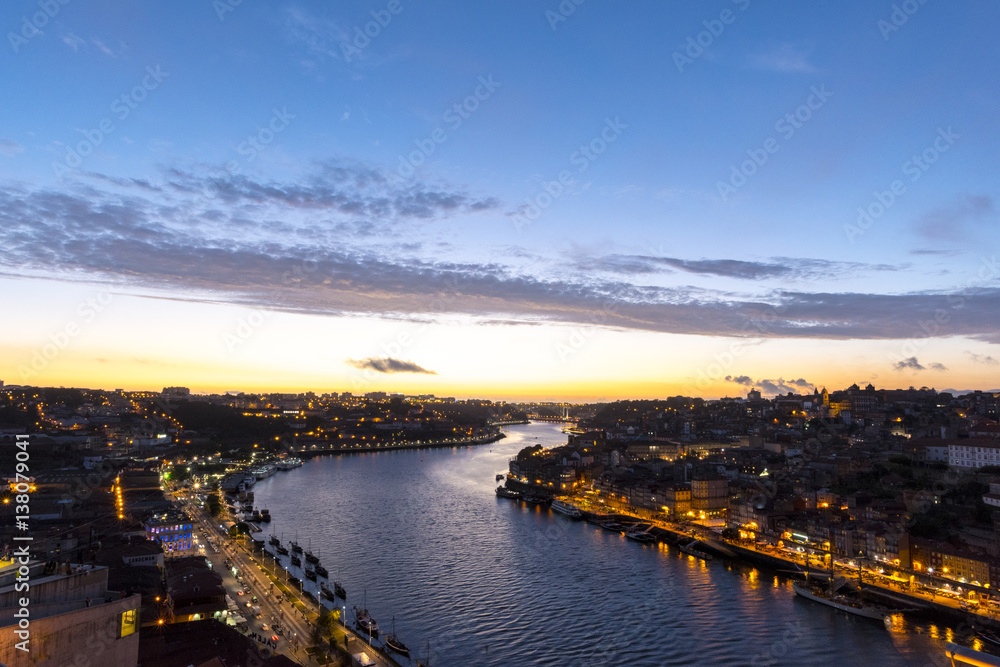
894,593
310,451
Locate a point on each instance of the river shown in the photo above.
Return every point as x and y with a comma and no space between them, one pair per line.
476,580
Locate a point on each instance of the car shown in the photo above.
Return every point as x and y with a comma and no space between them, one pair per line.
240,592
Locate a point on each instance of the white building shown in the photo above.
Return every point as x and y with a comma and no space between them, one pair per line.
974,453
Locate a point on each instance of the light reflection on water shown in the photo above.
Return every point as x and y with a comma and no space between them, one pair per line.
488,581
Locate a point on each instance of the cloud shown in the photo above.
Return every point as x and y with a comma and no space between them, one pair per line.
908,363
983,359
788,58
343,238
958,219
779,267
73,42
778,387
935,366
388,365
10,148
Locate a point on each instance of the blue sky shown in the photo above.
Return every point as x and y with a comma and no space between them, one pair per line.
511,172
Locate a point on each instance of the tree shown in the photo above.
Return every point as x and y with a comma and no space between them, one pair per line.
214,504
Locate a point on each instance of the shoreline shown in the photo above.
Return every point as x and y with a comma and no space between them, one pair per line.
412,444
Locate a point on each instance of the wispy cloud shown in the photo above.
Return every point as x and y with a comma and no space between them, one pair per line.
788,57
958,219
779,267
10,148
342,237
388,365
984,359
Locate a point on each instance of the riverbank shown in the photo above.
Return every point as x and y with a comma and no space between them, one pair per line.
897,594
310,452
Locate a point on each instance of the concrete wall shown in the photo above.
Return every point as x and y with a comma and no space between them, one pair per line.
85,637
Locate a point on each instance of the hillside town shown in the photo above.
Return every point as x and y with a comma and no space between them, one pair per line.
141,501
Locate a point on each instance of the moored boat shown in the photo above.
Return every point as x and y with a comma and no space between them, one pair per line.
690,550
504,492
638,533
281,550
326,592
321,571
365,623
339,590
841,602
537,500
565,508
394,642
296,560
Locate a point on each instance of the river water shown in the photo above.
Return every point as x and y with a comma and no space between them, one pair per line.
419,536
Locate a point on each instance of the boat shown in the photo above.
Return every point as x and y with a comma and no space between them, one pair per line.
274,541
339,590
288,464
832,599
326,592
281,550
642,535
500,476
691,551
321,571
296,560
537,500
310,557
311,575
265,515
394,643
364,621
563,507
613,525
503,492
296,547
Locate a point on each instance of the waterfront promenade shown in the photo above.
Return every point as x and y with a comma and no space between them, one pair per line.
296,616
902,592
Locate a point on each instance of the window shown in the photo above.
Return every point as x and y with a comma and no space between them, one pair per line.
128,621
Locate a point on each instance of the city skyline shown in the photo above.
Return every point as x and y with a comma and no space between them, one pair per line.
560,201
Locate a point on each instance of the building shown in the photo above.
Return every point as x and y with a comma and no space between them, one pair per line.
973,452
709,496
73,618
173,531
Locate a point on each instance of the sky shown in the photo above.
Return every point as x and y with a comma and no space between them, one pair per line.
545,200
